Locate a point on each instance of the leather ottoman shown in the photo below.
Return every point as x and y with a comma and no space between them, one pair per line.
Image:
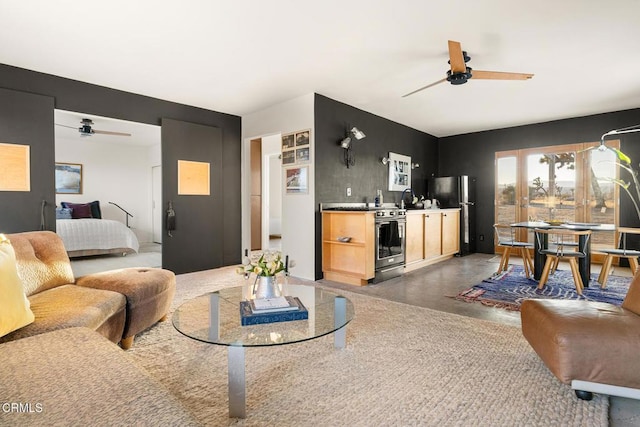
149,293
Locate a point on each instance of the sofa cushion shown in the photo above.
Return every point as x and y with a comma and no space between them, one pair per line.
14,305
42,260
70,305
75,376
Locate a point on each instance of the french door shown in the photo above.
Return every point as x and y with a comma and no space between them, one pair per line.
565,183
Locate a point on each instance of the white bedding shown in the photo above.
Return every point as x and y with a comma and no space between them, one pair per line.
88,236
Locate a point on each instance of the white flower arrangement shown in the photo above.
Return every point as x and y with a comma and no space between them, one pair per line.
268,263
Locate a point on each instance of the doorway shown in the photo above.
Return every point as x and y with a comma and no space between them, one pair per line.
119,155
266,193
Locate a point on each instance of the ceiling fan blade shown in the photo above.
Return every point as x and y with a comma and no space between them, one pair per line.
425,87
65,126
499,75
106,132
456,58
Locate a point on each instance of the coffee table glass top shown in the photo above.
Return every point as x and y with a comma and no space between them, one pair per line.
197,318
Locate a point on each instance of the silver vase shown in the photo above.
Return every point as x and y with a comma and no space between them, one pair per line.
267,287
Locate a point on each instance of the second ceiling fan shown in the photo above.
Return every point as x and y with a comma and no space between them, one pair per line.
86,129
460,73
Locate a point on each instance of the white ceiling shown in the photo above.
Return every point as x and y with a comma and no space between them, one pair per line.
239,57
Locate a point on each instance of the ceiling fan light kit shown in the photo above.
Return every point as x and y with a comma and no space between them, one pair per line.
459,73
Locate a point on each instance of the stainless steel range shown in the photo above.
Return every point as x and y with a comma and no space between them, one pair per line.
390,223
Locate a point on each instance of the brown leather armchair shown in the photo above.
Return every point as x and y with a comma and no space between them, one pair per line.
592,346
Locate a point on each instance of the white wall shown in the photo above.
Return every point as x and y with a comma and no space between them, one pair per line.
118,173
298,211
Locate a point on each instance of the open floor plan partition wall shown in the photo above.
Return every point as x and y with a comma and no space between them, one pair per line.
196,241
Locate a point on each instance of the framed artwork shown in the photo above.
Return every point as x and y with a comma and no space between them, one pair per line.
302,138
296,147
15,166
297,180
194,178
288,157
399,172
288,141
302,155
68,178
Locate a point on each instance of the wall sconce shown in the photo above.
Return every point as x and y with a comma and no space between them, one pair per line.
384,161
415,165
346,142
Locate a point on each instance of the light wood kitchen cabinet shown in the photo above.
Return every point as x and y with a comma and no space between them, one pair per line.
450,232
432,234
436,232
415,239
348,262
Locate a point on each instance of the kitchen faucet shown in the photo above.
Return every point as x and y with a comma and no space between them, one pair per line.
402,197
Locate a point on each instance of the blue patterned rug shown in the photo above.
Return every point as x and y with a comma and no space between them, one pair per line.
508,289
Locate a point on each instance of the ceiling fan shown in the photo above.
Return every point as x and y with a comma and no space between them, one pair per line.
460,73
87,129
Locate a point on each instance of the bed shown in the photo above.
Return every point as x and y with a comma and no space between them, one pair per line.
90,236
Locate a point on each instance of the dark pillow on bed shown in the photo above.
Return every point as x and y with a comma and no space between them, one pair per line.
94,207
78,210
63,213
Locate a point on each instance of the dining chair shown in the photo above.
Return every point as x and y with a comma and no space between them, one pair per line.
506,238
563,248
621,251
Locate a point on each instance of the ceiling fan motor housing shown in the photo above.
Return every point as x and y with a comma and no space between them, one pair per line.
459,78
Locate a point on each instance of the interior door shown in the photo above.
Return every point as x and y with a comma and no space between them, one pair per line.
197,242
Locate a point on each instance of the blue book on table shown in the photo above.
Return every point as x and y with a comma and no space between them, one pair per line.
250,317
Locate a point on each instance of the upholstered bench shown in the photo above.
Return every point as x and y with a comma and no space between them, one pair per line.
592,346
149,292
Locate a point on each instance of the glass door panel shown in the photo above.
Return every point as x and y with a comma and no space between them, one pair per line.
506,185
602,170
552,187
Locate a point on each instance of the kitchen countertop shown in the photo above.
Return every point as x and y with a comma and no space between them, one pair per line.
413,211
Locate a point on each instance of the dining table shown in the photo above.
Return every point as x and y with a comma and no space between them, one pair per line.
584,244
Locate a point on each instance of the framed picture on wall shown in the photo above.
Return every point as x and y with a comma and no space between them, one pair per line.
288,141
297,180
399,172
288,157
68,178
302,138
302,155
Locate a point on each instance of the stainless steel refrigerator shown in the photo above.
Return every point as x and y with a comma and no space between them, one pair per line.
458,192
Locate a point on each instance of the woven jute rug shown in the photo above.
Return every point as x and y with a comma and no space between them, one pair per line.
402,366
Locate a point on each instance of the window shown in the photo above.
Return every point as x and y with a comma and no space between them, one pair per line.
558,183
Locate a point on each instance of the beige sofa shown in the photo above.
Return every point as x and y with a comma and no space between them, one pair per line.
592,346
118,304
62,369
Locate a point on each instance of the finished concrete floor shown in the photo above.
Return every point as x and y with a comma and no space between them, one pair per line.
431,287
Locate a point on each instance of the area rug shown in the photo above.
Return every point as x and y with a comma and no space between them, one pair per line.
402,365
508,289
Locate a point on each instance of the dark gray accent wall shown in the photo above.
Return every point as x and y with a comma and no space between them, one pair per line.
332,177
77,96
27,119
198,218
474,154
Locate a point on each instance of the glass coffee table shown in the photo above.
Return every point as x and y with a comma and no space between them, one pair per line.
214,318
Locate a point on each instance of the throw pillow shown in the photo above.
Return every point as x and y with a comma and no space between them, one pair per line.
63,213
94,208
78,210
15,310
